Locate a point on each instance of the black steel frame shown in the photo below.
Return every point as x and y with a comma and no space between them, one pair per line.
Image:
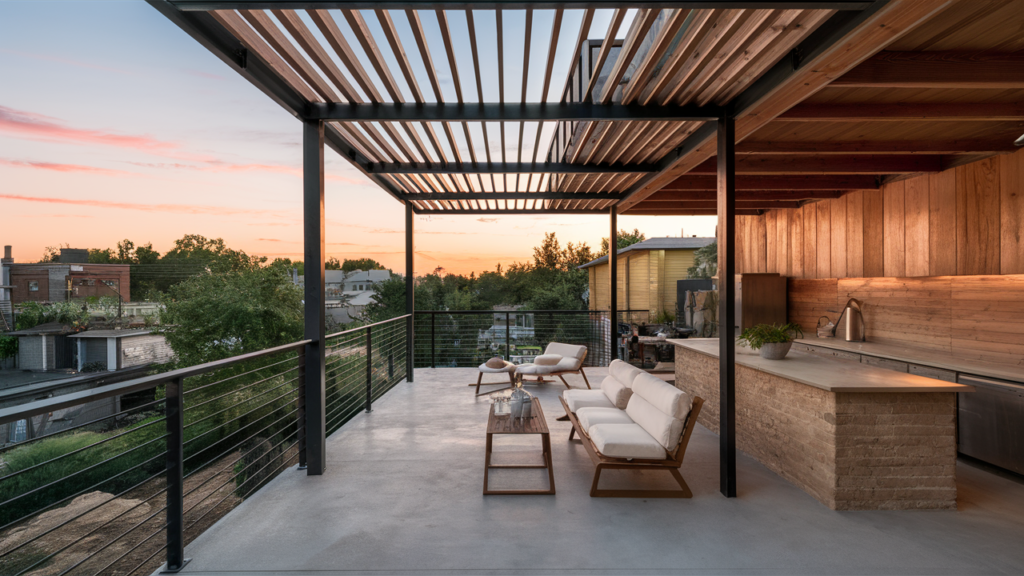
190,5
506,112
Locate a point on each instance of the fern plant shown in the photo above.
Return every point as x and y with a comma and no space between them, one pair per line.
761,334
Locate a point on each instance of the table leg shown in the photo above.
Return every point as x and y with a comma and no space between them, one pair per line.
487,461
546,439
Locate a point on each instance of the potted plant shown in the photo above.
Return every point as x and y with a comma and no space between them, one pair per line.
772,341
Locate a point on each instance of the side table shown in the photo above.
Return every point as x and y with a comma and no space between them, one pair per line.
534,425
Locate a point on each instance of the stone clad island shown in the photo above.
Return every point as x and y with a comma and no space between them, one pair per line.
853,436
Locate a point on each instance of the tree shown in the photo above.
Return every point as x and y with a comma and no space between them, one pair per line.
212,254
287,264
214,316
548,254
623,239
332,263
361,264
705,262
388,300
105,256
51,254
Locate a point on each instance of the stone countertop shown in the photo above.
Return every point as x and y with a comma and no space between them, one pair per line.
923,357
831,374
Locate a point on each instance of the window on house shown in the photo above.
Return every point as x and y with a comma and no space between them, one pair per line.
111,283
33,286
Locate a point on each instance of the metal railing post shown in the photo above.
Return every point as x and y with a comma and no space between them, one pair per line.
410,348
369,368
300,409
174,407
433,339
508,339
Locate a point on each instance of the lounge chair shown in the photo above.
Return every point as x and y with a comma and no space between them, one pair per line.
571,363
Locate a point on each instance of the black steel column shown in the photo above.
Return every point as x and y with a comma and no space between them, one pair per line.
174,411
613,273
727,302
314,232
410,295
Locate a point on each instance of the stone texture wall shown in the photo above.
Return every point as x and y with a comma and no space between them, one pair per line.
850,451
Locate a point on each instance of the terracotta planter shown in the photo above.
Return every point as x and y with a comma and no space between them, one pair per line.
775,350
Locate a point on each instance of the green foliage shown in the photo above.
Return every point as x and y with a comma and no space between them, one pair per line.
106,256
664,317
623,239
332,263
215,316
361,264
705,262
8,347
51,254
388,300
72,314
761,334
287,264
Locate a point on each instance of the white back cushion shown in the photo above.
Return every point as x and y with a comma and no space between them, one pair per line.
664,396
664,428
616,391
572,356
624,372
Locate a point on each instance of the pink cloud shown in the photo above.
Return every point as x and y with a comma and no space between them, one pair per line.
68,61
41,127
55,167
174,208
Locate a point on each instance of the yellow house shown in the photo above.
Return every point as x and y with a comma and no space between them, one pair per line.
647,275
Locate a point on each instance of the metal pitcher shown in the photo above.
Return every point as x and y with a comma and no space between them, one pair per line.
854,325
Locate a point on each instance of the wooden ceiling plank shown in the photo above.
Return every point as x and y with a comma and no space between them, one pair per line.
866,164
421,44
304,37
877,147
254,42
902,112
878,30
637,33
673,22
784,183
588,19
675,196
700,23
707,47
556,28
602,55
329,28
890,69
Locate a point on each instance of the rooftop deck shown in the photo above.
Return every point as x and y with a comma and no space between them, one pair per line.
402,493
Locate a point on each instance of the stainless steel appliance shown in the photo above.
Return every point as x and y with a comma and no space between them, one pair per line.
991,422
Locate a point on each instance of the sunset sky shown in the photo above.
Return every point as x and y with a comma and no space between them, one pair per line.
115,124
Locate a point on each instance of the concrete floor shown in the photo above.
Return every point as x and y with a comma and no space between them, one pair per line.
402,494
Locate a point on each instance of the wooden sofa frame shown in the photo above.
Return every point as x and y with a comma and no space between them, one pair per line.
671,464
540,377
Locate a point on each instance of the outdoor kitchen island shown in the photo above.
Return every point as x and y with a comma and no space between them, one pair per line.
854,436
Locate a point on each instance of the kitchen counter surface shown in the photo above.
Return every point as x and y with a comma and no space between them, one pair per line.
935,359
831,374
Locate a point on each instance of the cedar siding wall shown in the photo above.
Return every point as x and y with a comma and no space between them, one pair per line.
938,260
652,280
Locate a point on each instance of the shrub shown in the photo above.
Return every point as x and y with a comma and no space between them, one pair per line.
8,347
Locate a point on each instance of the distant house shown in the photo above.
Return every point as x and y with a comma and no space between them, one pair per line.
119,349
45,347
647,274
73,277
349,293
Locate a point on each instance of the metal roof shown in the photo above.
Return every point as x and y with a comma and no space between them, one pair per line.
113,333
656,244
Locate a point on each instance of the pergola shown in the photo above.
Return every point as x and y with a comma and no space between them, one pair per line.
702,109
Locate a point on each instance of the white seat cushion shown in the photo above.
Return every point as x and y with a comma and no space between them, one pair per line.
577,399
617,392
593,415
625,441
662,427
572,355
624,372
508,367
547,359
662,395
535,369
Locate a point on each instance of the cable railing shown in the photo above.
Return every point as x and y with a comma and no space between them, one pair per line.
124,493
467,338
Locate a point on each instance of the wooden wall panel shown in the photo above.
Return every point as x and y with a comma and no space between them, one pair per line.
916,237
808,300
796,243
988,324
824,239
837,239
1011,208
942,223
760,247
771,237
782,242
855,234
894,254
810,237
874,232
904,310
977,208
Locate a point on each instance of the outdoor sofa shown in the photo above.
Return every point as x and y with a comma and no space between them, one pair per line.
650,433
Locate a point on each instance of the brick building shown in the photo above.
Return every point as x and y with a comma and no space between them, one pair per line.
72,277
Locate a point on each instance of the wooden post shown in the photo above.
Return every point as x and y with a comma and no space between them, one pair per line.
727,303
314,233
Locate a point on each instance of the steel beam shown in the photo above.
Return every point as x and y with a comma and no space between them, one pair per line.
511,212
506,112
727,304
422,196
514,4
669,196
613,273
314,229
506,168
410,297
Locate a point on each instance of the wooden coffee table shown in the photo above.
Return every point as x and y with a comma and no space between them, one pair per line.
534,425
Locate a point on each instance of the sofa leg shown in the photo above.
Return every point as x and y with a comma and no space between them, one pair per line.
562,378
685,492
582,373
563,418
479,379
572,432
597,478
682,483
